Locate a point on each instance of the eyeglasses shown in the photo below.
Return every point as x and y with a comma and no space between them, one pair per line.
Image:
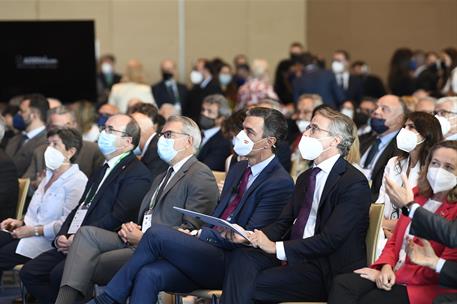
444,113
169,134
313,128
111,130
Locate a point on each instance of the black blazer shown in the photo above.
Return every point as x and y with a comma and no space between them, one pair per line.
108,86
193,106
162,95
118,199
9,187
338,245
215,151
354,91
377,174
152,160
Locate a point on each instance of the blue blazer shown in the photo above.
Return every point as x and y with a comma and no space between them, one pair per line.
119,198
215,151
261,203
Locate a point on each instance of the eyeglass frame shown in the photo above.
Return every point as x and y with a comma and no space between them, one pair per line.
171,133
110,130
313,128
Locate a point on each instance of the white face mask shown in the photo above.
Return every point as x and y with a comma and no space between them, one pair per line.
243,144
302,124
445,124
407,140
337,67
106,68
310,147
53,158
196,77
441,180
348,112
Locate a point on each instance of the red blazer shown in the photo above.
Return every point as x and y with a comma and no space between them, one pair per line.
421,282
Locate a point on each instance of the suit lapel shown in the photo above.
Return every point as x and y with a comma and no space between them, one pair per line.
178,175
382,159
334,176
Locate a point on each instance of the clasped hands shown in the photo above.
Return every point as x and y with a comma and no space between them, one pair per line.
130,233
17,228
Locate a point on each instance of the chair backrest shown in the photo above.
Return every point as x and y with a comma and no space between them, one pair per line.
219,175
376,215
24,184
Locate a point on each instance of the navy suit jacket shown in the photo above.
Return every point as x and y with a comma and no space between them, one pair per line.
338,245
215,151
322,82
119,198
261,203
162,95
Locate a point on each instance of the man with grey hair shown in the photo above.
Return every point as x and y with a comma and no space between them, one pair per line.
446,112
215,148
8,181
97,254
321,231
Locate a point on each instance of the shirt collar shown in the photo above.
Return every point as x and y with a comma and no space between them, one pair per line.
210,132
113,161
328,164
146,144
388,137
205,82
34,132
258,168
178,165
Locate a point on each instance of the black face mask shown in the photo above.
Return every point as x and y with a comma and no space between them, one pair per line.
360,119
166,76
206,122
295,58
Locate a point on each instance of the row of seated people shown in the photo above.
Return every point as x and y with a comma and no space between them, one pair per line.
323,231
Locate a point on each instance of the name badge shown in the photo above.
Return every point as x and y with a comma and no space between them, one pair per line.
78,219
147,221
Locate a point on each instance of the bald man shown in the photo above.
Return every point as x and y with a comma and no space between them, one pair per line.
168,90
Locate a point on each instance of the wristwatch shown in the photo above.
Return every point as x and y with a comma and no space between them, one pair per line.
35,231
406,208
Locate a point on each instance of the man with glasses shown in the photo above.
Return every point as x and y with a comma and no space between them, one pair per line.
112,196
378,146
97,254
446,112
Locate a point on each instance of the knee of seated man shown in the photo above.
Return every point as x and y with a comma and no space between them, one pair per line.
157,231
151,274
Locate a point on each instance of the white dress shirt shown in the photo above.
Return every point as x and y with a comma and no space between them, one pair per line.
321,179
51,208
33,133
207,134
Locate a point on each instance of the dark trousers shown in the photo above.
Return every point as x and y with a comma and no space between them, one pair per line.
167,260
8,256
350,288
253,276
42,275
450,298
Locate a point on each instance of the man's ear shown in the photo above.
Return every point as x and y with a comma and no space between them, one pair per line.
272,141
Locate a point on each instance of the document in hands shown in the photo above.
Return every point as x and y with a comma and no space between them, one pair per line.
212,221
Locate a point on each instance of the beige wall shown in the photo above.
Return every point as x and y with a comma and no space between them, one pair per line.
372,29
148,29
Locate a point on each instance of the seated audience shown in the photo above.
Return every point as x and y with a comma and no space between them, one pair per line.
363,113
228,84
348,109
32,115
393,278
254,193
372,84
8,113
131,86
104,112
446,111
379,146
86,119
282,85
9,188
97,254
112,196
420,132
320,233
57,194
168,90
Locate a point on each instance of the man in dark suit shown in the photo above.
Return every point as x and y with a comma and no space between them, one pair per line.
318,81
33,112
106,77
372,85
88,159
320,233
168,90
351,85
8,181
147,117
254,193
203,85
97,254
112,196
378,146
215,148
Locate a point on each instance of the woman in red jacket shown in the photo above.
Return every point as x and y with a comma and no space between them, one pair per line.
393,278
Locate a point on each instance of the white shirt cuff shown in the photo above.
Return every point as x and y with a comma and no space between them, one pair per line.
413,209
439,265
280,252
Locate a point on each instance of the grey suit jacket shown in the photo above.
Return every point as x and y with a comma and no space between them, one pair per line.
22,155
192,187
88,159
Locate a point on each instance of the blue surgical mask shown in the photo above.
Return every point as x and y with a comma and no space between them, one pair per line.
18,122
225,79
378,125
166,149
107,143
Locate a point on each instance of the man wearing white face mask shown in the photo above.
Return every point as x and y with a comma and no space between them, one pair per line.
112,196
321,231
351,85
56,195
107,76
446,112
